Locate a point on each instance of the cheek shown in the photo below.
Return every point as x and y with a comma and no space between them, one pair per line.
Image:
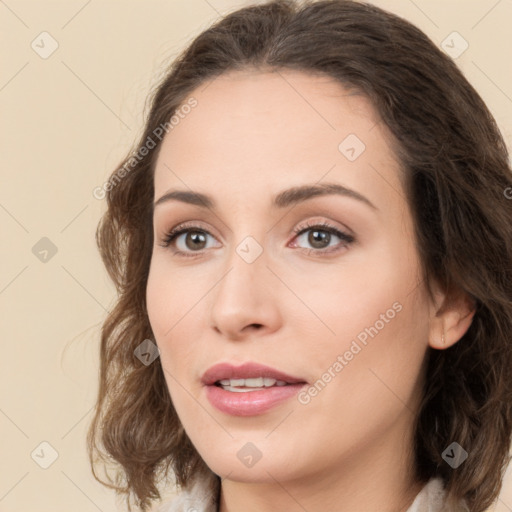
159,297
174,322
375,316
175,306
170,297
366,376
167,306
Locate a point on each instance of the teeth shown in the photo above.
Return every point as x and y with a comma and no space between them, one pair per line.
254,384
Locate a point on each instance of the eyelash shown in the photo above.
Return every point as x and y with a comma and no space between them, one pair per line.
347,239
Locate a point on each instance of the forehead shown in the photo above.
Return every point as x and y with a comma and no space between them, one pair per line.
265,102
252,129
303,92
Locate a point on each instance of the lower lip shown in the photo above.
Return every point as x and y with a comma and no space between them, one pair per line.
250,403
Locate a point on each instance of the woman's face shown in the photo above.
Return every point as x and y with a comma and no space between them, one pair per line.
322,286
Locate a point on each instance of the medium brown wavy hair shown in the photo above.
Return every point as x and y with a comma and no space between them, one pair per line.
458,185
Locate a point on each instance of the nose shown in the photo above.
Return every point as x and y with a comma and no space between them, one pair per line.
245,304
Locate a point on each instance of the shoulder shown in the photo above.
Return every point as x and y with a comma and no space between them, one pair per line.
200,496
432,499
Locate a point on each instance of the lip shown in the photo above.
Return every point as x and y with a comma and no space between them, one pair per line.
245,371
249,403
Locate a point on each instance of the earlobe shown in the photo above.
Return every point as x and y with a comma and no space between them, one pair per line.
451,322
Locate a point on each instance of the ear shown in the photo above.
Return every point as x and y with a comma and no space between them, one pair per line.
450,318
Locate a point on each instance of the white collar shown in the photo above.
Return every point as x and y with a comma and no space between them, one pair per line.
429,499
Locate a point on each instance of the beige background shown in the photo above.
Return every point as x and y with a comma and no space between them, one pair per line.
66,121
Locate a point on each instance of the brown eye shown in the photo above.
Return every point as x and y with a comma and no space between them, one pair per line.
195,240
319,237
187,240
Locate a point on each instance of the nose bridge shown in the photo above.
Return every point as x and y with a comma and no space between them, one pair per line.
243,294
246,252
245,276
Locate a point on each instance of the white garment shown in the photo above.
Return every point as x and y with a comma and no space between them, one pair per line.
429,499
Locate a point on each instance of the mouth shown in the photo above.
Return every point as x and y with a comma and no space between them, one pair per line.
248,389
247,376
248,385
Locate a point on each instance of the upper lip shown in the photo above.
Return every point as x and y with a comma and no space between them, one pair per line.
245,371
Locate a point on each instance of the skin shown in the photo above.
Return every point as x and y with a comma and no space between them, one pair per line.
251,135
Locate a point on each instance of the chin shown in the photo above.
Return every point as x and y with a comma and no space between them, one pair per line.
244,462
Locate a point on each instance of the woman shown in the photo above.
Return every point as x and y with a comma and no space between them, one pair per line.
312,247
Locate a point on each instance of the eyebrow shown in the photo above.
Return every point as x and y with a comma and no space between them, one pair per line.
283,199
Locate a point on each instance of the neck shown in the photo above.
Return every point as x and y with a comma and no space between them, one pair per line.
377,478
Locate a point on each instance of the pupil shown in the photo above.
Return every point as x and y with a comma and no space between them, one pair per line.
197,238
318,238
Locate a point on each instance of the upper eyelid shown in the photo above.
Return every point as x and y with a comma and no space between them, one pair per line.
309,224
190,226
184,227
